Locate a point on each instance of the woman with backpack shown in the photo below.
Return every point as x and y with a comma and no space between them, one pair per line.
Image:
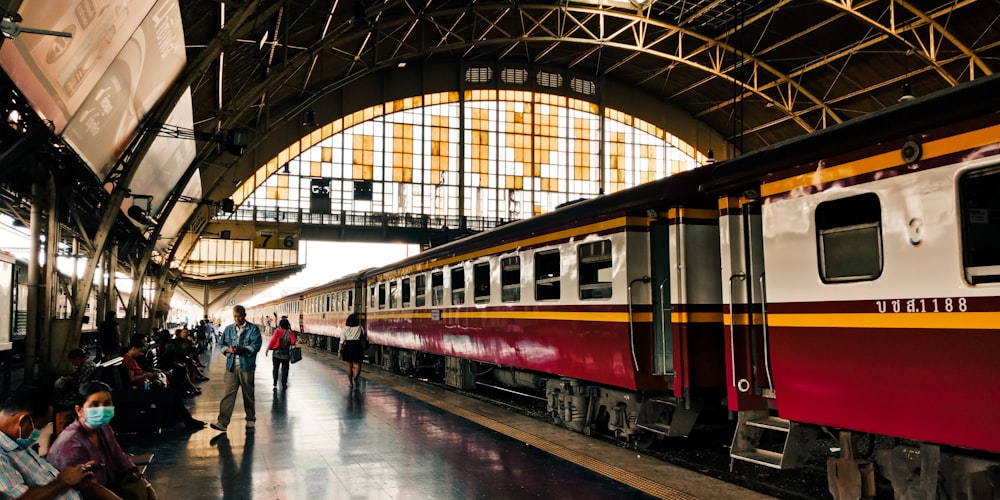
281,342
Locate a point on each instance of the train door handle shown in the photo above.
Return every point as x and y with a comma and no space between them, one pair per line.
732,322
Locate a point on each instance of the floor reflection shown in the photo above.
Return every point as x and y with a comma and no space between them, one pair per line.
236,478
323,439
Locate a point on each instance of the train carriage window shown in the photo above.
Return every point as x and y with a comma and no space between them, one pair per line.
350,299
372,295
406,292
981,225
381,295
437,288
547,275
420,297
457,286
510,279
393,295
595,270
481,282
849,234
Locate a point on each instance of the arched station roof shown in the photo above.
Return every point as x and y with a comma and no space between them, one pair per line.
747,73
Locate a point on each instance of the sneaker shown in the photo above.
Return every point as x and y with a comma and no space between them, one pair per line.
217,426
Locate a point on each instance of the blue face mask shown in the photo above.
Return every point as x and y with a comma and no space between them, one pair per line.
98,416
24,443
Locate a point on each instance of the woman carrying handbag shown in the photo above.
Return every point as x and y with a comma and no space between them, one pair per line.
281,342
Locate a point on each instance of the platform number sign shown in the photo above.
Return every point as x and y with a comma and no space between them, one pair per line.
276,240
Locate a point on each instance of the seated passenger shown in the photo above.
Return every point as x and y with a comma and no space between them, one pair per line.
24,474
168,403
166,360
91,439
68,385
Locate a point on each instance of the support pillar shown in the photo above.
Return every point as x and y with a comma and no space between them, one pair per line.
49,346
34,275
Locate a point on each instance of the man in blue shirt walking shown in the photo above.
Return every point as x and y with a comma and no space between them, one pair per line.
240,342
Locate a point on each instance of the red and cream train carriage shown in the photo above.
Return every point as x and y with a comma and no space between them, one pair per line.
848,279
595,303
863,275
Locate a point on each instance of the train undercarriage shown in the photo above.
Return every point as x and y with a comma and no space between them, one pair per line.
586,408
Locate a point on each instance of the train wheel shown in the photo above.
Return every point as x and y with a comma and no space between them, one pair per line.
643,440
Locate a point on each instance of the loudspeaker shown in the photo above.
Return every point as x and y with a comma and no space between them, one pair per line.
237,140
228,206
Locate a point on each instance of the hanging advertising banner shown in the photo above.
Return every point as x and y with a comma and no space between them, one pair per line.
96,85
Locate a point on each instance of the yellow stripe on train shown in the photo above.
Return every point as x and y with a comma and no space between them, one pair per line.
930,320
940,147
609,317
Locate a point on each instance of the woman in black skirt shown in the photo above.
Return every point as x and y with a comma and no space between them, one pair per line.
352,348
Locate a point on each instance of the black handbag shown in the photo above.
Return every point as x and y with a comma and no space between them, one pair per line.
295,354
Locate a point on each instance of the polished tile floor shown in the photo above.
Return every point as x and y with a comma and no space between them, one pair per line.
319,440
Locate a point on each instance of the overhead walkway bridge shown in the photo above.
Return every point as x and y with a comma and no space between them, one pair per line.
253,248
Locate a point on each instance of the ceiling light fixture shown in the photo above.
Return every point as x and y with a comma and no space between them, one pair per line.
907,93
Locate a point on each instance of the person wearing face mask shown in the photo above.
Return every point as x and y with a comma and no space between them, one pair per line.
91,439
24,474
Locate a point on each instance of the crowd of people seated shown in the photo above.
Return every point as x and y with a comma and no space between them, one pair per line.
157,371
84,460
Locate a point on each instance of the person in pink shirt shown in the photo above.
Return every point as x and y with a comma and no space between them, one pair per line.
281,342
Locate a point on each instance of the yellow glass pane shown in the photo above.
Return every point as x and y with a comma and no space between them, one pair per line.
326,154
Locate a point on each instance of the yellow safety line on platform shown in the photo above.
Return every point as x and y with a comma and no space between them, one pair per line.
623,476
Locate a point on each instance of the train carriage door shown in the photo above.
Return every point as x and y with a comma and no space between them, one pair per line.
663,339
743,295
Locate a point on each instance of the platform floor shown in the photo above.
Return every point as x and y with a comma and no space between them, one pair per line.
394,438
